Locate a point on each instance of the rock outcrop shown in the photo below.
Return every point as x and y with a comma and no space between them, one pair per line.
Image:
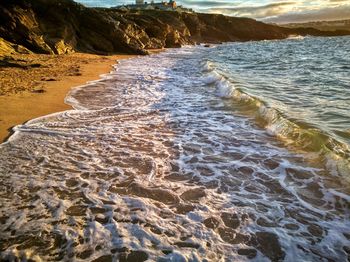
10,48
63,26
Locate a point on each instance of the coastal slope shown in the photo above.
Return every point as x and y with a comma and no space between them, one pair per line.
63,26
337,25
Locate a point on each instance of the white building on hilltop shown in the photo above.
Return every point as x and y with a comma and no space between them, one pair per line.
165,6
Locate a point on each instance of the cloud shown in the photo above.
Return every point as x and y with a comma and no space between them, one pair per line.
324,14
261,11
206,4
277,11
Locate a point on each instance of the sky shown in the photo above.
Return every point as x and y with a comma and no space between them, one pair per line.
273,11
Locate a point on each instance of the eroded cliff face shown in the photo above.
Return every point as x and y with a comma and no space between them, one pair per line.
63,26
44,26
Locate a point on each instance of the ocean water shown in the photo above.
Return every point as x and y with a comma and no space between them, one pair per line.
236,152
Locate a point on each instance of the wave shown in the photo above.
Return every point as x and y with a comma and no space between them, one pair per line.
296,37
334,154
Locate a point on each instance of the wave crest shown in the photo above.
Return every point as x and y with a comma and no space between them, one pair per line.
334,154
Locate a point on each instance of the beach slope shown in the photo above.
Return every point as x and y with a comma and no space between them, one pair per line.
34,85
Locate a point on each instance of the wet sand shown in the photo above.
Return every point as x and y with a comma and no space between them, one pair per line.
34,85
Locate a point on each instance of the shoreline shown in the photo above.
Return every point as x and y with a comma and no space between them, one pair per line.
52,85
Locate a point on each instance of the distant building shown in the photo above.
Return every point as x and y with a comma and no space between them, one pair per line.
166,6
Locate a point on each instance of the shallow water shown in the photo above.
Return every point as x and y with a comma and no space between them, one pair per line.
165,159
303,84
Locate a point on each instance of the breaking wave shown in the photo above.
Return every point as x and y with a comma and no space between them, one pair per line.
300,135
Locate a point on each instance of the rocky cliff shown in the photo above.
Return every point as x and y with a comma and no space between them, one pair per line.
63,26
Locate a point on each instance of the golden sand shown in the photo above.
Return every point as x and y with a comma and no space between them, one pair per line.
29,92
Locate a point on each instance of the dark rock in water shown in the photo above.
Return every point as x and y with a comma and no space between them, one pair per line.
291,226
249,252
211,222
269,245
85,254
347,235
106,258
231,236
167,251
64,26
71,182
315,230
193,160
102,219
227,234
347,250
207,45
193,194
241,238
187,244
265,223
157,194
183,209
133,256
119,250
230,220
76,210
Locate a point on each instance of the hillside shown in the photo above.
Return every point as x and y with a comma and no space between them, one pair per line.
323,25
63,26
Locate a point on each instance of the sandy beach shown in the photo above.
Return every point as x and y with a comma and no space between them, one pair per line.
231,145
34,85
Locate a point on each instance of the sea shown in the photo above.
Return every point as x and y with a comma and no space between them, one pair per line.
233,152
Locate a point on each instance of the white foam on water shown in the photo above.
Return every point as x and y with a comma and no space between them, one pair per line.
225,89
296,37
212,78
152,163
276,124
